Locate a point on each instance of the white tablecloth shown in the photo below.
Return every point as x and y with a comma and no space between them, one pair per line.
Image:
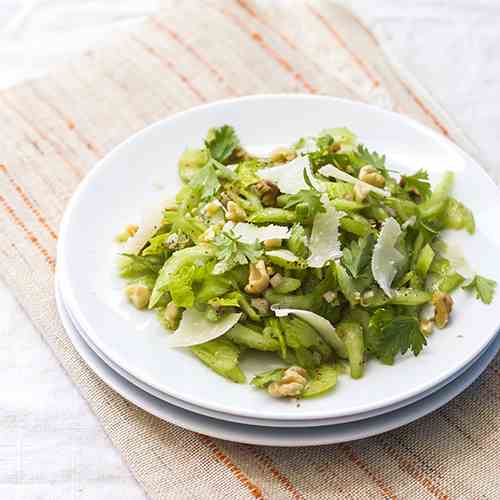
51,446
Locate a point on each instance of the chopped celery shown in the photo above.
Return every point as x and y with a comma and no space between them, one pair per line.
242,335
287,285
324,378
273,215
221,355
352,335
424,261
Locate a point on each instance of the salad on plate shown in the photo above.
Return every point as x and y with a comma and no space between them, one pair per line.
317,253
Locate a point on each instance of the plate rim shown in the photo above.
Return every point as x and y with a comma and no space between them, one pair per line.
446,374
226,430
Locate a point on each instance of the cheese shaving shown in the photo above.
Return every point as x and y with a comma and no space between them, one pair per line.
324,242
249,233
195,328
289,177
386,258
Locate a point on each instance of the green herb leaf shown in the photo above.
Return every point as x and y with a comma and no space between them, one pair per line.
181,285
206,182
392,335
232,252
417,183
483,287
262,380
358,257
362,156
221,142
307,203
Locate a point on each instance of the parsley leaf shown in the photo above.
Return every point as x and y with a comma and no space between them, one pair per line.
391,335
221,142
358,256
483,287
418,182
205,182
362,156
232,252
307,203
181,285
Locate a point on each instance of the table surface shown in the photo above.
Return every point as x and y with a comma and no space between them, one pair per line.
51,445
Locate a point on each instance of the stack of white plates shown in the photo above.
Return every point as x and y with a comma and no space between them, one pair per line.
126,348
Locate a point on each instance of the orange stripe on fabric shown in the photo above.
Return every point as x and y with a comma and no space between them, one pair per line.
406,466
34,240
236,471
351,454
267,48
183,43
171,66
290,43
69,122
27,201
342,43
424,108
43,135
276,473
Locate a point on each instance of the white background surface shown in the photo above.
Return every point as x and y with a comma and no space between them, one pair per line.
51,446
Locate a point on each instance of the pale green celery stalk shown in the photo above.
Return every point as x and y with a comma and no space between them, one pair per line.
221,355
450,282
298,334
198,255
457,216
211,287
355,224
347,205
436,204
352,335
409,297
375,212
324,379
297,243
405,209
290,301
273,215
247,308
424,261
287,285
242,335
346,284
273,329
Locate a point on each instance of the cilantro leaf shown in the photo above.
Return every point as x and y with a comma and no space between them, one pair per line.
484,288
417,183
232,252
391,335
221,142
205,182
358,256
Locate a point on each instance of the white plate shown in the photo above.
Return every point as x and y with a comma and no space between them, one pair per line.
248,420
119,188
271,436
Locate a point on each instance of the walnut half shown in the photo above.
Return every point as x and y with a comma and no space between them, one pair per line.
291,384
258,279
443,304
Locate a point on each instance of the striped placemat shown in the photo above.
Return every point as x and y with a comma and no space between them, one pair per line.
54,130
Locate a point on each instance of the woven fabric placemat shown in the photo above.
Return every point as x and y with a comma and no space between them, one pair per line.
54,130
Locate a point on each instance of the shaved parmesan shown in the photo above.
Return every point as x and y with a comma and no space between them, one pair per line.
195,328
289,177
320,324
249,233
283,254
453,252
324,242
150,222
331,171
386,258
